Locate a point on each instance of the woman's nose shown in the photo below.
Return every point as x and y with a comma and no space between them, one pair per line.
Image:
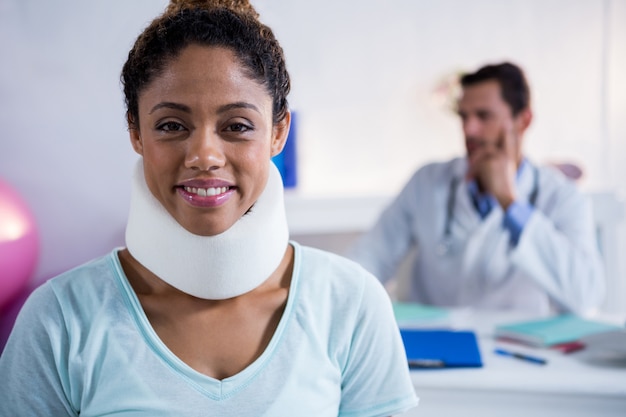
205,151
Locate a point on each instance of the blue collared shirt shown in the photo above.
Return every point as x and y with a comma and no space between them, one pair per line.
516,215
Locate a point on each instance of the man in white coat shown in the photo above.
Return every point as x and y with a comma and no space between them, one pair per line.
492,229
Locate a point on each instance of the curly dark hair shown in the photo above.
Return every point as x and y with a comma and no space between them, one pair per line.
513,84
252,42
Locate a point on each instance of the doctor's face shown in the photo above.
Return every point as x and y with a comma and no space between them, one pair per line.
486,118
206,136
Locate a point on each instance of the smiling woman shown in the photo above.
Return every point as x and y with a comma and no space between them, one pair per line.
209,310
191,140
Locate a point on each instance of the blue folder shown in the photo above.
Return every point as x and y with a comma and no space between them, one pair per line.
428,348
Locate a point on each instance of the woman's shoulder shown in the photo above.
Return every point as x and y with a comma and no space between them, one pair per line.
335,275
67,301
91,273
331,286
80,288
318,260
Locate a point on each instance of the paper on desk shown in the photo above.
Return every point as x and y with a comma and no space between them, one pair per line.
608,348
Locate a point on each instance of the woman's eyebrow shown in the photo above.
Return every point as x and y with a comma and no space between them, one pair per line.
170,105
221,109
238,105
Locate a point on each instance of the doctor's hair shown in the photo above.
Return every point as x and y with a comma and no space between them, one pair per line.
512,81
230,24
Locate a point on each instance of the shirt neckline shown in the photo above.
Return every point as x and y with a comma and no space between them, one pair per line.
211,387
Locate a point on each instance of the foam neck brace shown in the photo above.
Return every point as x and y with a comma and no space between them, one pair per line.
210,267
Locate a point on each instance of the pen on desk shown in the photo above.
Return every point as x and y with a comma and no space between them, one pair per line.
521,356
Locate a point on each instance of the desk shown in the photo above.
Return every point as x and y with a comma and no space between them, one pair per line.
566,386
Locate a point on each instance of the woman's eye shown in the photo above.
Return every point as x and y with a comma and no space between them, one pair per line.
238,127
171,127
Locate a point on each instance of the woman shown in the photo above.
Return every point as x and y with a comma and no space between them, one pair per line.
209,310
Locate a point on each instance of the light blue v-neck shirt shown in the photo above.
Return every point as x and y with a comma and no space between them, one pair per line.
83,345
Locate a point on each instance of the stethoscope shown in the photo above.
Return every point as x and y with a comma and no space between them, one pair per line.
445,246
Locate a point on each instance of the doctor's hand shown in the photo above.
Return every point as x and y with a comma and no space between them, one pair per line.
494,166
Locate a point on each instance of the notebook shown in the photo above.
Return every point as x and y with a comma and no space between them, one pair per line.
427,348
417,313
551,331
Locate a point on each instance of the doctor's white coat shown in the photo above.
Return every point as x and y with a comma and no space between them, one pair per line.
555,265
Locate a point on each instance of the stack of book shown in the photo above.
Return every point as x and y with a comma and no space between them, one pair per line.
565,332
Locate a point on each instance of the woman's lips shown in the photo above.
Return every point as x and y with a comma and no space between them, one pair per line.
204,192
206,196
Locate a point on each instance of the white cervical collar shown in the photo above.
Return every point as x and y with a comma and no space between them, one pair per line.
211,267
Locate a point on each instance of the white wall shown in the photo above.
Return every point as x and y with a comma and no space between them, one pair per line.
64,144
615,117
363,74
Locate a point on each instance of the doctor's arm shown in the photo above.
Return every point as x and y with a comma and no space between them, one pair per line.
560,253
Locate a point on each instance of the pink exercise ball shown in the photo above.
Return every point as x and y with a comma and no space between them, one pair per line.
19,244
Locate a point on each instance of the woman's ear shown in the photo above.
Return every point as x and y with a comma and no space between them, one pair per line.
135,137
280,133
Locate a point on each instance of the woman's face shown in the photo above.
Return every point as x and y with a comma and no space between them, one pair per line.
206,136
